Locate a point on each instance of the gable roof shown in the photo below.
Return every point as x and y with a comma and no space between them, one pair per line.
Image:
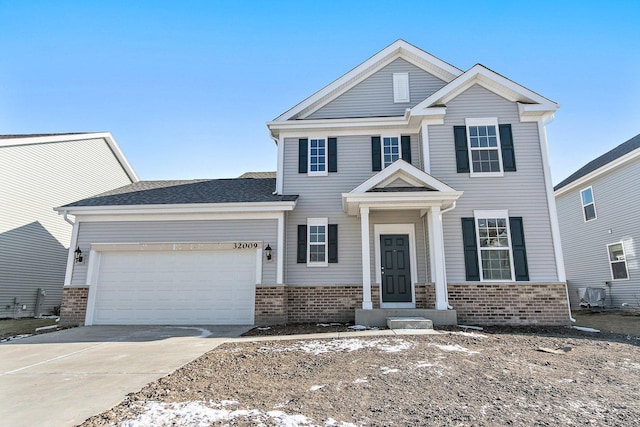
529,100
48,138
258,175
199,191
397,49
627,150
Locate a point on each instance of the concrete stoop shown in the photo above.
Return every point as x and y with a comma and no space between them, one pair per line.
378,316
409,323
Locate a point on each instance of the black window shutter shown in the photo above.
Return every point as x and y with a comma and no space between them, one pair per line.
470,249
333,243
333,155
376,154
508,154
462,153
518,249
303,149
302,244
405,141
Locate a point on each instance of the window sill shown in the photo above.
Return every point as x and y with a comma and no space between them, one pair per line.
317,173
486,174
317,264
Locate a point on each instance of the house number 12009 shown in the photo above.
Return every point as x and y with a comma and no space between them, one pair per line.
245,245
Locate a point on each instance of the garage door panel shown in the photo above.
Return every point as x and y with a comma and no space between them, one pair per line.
190,287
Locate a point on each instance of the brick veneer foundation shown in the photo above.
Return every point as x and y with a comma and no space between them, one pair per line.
518,303
74,306
476,303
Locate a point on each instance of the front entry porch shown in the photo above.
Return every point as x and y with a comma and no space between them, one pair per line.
378,316
400,211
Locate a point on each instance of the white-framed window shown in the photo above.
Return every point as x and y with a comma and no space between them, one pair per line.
317,237
390,150
588,204
494,245
401,88
485,155
317,156
618,261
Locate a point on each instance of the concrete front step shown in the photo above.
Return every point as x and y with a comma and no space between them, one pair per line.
378,316
409,323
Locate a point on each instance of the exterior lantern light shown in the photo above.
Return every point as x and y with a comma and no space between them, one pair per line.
78,255
267,252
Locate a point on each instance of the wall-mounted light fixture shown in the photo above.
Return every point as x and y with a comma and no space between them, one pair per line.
78,255
267,252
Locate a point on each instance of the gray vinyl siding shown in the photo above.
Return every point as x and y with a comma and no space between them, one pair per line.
34,240
321,197
523,192
373,97
584,244
264,230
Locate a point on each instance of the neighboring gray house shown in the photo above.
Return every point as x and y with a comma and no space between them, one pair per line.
599,214
38,173
406,186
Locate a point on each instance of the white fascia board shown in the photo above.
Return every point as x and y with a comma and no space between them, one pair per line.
492,81
279,128
113,145
398,49
400,167
580,182
179,209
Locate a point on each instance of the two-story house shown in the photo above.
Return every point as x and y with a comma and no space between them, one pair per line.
37,173
600,231
406,186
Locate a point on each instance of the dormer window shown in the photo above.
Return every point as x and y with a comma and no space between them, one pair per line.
401,87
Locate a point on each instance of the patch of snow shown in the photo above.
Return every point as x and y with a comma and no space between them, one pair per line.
361,380
454,347
583,329
204,333
317,387
187,414
44,328
330,422
326,325
15,337
477,328
386,370
358,327
470,334
344,344
265,328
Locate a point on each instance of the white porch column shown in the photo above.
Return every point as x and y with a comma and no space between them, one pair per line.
366,259
280,251
435,220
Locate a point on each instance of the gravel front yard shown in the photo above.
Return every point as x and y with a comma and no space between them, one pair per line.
455,378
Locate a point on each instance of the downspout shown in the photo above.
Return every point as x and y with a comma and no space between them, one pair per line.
450,208
66,218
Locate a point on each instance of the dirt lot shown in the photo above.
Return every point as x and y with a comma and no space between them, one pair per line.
492,377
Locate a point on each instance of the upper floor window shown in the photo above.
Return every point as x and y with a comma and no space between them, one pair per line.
494,245
485,156
390,150
588,205
317,157
401,87
618,261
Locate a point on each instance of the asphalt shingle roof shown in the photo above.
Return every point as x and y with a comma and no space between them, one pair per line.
608,157
237,190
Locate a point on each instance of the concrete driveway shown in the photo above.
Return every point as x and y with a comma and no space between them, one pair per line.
64,377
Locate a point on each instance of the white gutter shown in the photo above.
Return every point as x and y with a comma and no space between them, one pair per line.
64,215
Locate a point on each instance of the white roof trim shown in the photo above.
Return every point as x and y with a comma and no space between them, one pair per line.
113,145
492,81
179,208
580,182
398,49
396,170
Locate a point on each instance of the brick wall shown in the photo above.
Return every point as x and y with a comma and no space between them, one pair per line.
518,303
270,308
74,306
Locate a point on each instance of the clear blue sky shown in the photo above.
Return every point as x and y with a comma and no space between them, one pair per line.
186,87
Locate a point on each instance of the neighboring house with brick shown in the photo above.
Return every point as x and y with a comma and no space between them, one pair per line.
406,186
599,211
38,173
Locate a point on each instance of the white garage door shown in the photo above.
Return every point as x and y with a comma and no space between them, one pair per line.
176,288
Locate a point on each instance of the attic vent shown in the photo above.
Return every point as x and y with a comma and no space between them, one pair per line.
400,87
